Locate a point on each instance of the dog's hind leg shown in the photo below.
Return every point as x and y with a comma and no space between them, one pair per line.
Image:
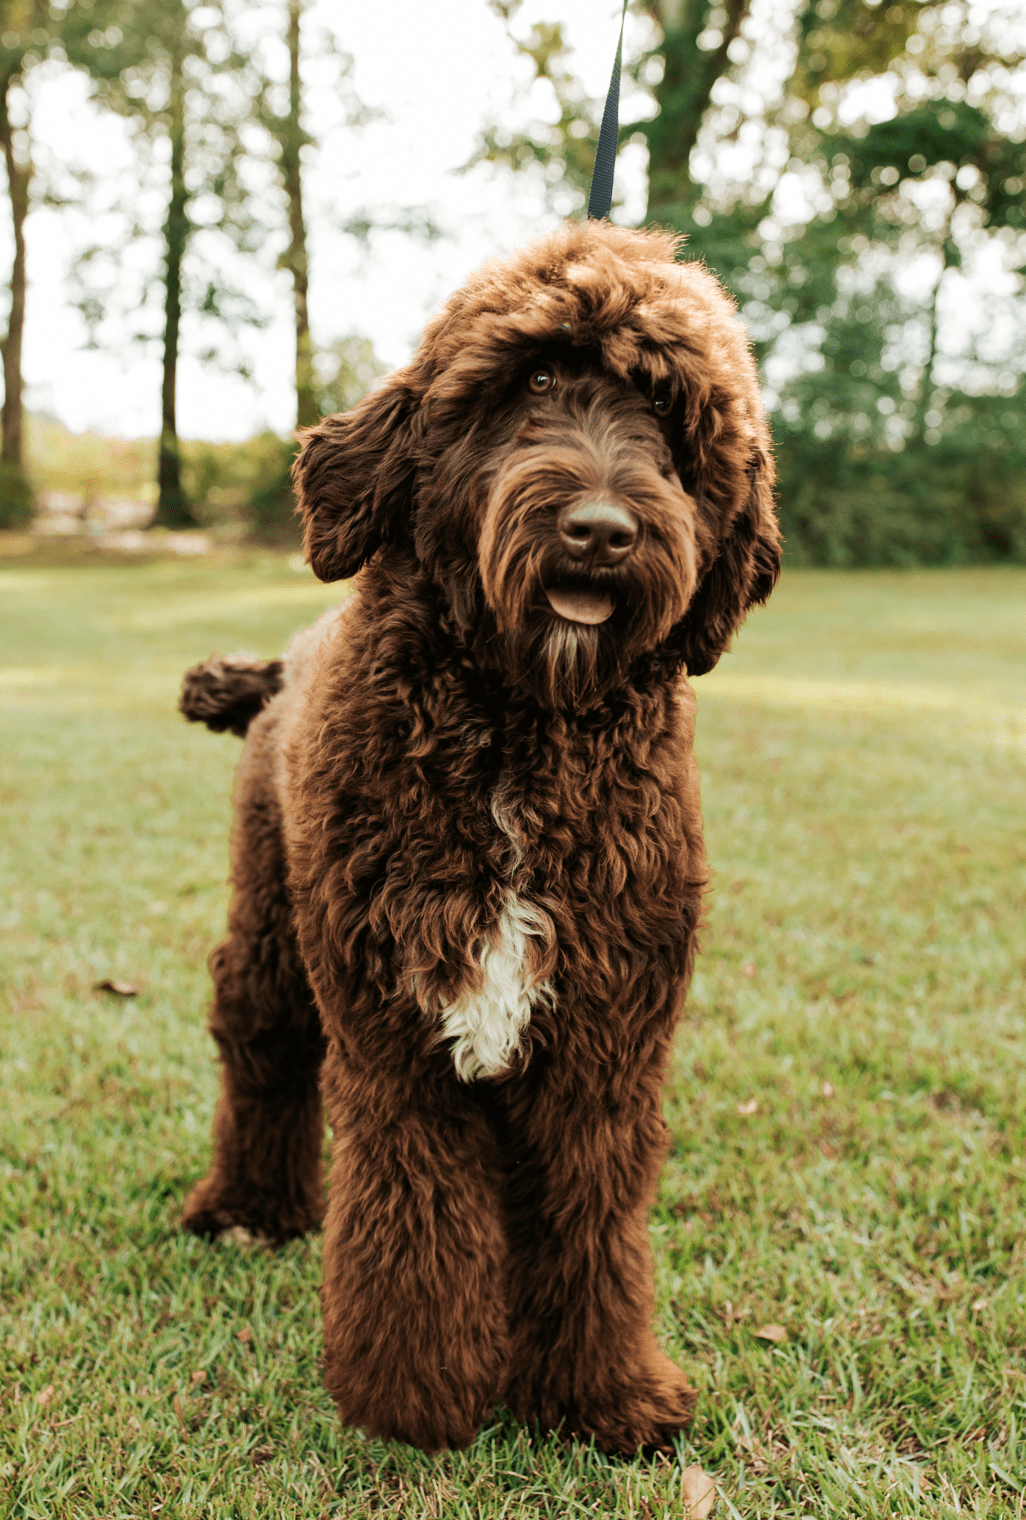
583,1152
266,1175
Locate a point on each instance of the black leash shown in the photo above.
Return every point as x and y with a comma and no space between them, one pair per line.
600,197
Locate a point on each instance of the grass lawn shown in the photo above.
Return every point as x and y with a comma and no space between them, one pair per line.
848,1099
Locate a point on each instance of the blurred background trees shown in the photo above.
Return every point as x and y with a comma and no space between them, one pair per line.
855,172
178,75
220,139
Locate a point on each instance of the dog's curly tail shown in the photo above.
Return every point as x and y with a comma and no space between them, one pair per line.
228,690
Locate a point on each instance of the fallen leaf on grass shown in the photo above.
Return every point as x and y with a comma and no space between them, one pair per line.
198,1376
46,1397
775,1333
123,989
698,1492
245,1336
750,1106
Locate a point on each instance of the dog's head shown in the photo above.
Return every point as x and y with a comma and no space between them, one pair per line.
577,456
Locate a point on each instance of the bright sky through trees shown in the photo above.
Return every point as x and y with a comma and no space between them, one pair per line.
435,72
434,76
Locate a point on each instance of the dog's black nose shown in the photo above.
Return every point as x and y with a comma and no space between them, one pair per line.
598,531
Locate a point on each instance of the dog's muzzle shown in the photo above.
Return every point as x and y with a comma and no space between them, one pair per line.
592,534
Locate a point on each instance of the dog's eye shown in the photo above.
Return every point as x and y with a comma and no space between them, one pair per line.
541,382
661,404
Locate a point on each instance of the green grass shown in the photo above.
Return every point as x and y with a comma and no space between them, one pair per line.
864,757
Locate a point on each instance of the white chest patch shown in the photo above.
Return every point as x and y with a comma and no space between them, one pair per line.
488,1021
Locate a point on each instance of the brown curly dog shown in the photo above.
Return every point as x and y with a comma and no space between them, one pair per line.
468,865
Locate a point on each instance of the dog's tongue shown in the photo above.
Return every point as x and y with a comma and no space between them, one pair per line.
581,606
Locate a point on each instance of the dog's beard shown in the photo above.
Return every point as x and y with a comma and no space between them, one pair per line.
561,664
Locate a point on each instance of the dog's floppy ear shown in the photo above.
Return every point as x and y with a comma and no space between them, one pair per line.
743,572
353,480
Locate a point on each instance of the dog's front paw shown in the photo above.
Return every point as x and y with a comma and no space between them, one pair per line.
410,1402
647,1417
641,1409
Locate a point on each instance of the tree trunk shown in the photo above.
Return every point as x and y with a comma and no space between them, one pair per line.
15,492
924,401
683,96
173,509
292,138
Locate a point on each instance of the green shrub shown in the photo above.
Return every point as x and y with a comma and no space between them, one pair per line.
924,506
16,502
244,485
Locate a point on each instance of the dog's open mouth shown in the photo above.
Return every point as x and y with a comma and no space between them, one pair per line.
578,604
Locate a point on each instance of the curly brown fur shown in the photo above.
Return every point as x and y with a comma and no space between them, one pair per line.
268,1128
468,830
228,690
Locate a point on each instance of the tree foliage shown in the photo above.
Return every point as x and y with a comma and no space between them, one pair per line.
174,69
559,154
898,437
856,236
692,52
279,108
854,171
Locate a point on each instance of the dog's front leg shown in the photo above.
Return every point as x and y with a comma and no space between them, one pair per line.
414,1255
583,1150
